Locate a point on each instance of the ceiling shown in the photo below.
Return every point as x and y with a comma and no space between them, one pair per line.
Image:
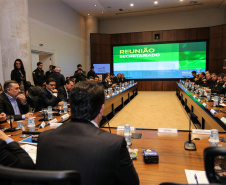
109,9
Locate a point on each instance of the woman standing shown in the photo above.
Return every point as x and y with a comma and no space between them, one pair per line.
19,75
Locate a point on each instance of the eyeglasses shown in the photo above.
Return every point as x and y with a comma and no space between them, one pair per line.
52,85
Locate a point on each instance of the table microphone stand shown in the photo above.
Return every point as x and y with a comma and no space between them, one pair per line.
189,145
11,129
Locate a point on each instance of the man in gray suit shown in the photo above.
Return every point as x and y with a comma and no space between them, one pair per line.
101,158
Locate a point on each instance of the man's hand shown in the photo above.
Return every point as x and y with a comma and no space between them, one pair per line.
22,98
3,136
28,115
2,116
61,103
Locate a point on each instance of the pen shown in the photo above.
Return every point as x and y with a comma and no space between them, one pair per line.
196,179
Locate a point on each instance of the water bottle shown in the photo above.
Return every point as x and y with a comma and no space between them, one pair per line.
65,107
31,124
214,137
127,134
50,112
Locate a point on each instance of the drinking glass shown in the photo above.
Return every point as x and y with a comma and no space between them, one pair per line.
9,117
24,127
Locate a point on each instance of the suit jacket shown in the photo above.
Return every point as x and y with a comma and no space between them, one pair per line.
6,107
62,94
117,80
14,156
100,157
47,99
60,80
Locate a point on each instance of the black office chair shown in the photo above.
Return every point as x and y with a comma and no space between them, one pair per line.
215,164
15,176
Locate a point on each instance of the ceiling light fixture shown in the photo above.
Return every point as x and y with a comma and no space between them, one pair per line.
102,12
88,13
181,0
95,5
156,2
131,4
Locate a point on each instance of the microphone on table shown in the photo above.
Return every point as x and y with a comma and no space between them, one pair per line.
105,117
189,145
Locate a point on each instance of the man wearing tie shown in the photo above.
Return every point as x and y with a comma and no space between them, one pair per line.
63,92
100,157
12,102
46,96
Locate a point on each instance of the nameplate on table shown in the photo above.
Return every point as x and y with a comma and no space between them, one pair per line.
53,121
213,111
223,119
201,131
65,117
194,97
199,100
167,130
55,124
205,105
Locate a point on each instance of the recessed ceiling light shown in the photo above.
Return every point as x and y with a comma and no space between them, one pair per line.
156,2
88,13
131,4
95,5
181,0
102,12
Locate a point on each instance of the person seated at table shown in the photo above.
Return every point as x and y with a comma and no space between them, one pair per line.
117,79
208,81
12,155
12,102
47,97
63,92
201,79
123,79
100,157
1,90
107,82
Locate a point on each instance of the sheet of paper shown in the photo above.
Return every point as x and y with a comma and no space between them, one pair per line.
31,150
201,177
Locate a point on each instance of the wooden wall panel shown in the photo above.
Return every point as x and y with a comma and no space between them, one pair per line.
169,85
95,38
95,48
96,58
105,48
105,39
136,38
216,31
125,38
203,33
105,58
115,39
156,86
147,37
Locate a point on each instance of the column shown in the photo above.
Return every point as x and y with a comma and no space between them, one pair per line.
14,36
91,27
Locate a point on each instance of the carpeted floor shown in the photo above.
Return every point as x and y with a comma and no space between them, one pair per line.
153,110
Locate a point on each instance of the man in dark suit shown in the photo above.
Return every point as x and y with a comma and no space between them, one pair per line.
91,72
12,102
11,154
117,79
46,96
63,92
60,79
100,157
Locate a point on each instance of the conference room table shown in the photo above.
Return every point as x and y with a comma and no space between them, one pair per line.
207,119
173,158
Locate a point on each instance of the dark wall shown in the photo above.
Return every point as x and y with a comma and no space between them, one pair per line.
101,48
